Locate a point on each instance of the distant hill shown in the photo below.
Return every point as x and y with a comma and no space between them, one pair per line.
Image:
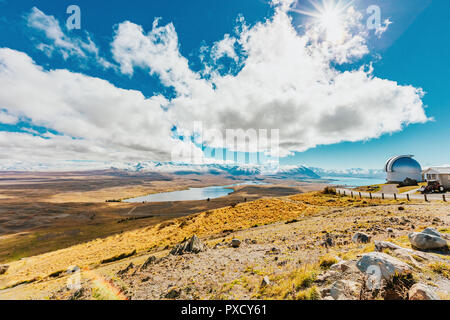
229,169
352,172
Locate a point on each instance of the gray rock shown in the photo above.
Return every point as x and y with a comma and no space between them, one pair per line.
149,261
265,281
345,290
381,245
426,241
387,266
360,237
235,243
344,266
433,232
194,245
3,269
125,270
420,291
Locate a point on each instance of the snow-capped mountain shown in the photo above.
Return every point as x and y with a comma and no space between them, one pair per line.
214,168
352,172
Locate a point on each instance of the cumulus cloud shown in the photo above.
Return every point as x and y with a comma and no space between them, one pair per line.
287,82
94,118
156,51
60,42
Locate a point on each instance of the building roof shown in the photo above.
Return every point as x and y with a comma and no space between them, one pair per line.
403,161
438,170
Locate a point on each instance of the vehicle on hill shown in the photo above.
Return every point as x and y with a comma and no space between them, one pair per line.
432,187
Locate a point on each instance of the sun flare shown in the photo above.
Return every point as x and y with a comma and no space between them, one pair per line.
329,14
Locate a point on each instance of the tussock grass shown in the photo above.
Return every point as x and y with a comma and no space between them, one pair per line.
293,285
308,294
440,268
327,261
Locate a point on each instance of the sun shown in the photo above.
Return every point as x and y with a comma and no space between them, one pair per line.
329,14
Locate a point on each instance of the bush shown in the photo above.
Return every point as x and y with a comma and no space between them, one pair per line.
408,182
329,190
327,261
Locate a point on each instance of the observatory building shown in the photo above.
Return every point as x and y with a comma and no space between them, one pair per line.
399,168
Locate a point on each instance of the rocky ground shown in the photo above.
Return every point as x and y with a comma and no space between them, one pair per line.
361,252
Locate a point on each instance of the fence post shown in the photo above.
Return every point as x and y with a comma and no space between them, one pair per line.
395,196
370,194
351,192
360,196
382,196
425,196
344,192
443,197
407,196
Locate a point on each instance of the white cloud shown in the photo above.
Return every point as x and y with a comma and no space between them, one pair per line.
60,42
96,119
156,51
287,82
225,48
7,118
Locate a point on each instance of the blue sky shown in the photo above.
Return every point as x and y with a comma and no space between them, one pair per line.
413,51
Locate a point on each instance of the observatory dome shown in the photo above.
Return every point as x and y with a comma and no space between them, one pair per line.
399,168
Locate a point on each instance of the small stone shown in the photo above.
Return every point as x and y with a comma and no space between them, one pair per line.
344,290
3,268
149,261
173,294
381,245
128,268
389,230
420,291
265,281
235,243
194,245
328,240
360,237
344,266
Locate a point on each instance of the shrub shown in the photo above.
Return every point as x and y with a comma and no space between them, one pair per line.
327,261
308,294
329,190
441,268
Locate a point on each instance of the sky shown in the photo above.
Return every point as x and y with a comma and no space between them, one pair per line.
138,79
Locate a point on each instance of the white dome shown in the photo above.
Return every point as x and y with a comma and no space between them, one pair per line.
399,168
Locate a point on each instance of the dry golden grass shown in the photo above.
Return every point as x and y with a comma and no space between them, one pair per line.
242,216
318,199
205,224
296,284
